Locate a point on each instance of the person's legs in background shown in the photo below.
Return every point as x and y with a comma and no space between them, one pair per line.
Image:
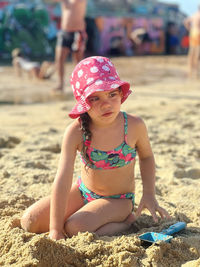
79,46
61,55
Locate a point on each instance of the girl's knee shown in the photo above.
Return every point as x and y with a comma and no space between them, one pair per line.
73,226
28,222
36,218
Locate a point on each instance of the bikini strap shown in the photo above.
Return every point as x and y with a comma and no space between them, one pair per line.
125,126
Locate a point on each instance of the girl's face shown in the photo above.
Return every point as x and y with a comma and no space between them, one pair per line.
105,105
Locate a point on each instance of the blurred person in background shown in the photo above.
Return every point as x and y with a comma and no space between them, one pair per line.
192,24
171,39
34,69
71,38
139,37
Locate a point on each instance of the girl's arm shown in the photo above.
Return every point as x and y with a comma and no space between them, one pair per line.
147,169
63,182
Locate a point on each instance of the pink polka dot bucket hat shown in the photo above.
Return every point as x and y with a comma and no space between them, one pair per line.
91,75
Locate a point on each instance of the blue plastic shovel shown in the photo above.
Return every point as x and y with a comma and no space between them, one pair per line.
165,235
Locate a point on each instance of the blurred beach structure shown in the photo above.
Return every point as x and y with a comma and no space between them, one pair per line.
33,26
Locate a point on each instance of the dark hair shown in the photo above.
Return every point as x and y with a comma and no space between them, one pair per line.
85,127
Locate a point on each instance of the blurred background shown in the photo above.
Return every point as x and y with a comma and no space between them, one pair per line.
113,27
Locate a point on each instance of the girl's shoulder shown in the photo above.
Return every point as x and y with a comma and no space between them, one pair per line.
73,133
136,124
134,120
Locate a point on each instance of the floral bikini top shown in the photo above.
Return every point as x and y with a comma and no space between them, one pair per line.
118,157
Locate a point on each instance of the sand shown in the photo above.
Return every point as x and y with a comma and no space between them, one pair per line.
32,122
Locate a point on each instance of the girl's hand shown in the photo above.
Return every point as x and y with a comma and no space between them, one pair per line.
149,202
56,235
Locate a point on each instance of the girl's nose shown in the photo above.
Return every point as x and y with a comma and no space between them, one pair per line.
105,103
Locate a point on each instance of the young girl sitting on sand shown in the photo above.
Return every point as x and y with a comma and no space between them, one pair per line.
102,200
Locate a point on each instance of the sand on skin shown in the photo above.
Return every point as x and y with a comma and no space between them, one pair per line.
32,124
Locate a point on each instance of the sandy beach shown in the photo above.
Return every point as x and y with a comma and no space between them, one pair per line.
32,123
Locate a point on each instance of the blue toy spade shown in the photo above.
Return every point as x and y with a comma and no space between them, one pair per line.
165,235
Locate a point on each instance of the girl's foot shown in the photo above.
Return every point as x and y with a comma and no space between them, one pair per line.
130,219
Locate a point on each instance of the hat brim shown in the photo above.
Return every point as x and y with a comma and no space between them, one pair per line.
82,106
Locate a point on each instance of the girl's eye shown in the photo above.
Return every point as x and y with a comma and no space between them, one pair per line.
113,94
93,99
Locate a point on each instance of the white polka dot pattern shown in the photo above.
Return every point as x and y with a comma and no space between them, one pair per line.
91,75
80,73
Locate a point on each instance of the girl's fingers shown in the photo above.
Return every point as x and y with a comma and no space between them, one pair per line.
153,213
163,213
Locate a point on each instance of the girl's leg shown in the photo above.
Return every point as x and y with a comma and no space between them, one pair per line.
116,227
36,218
103,216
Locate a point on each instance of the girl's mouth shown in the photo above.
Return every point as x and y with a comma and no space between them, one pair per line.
107,114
